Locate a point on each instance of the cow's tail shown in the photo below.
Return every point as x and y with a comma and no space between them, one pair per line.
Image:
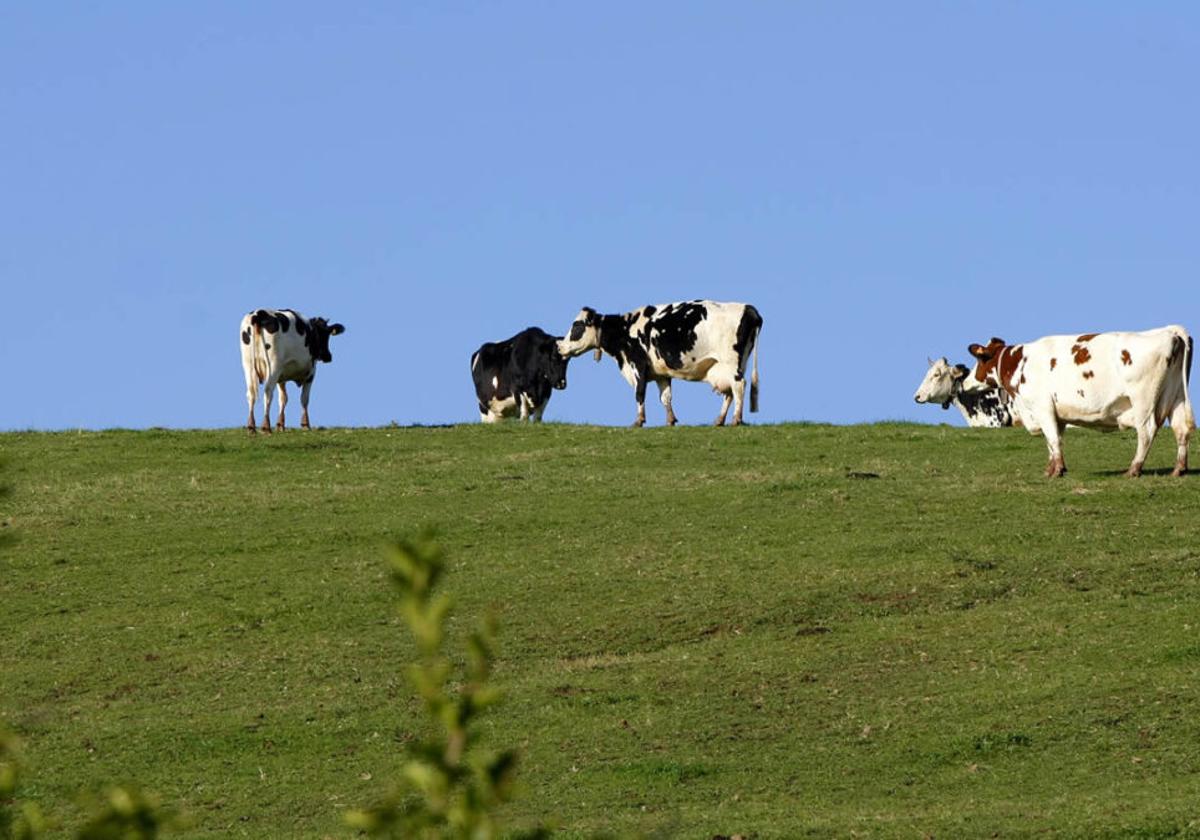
257,352
1190,417
754,373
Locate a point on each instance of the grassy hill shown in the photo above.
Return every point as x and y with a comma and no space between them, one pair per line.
779,631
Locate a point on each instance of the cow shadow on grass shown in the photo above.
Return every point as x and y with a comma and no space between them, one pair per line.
1145,472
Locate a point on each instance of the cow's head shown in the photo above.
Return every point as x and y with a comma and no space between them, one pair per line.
552,365
985,375
583,336
317,338
942,381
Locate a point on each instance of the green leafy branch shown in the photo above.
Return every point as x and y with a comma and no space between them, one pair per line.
450,787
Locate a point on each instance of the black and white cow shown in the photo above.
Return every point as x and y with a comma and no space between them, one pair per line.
516,376
698,340
943,383
278,346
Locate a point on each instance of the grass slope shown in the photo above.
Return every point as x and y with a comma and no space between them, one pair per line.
703,630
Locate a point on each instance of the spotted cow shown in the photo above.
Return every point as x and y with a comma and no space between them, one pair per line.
699,340
990,409
518,375
1126,380
280,346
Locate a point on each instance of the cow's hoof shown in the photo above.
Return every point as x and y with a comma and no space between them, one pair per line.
266,430
280,427
305,426
720,421
737,421
637,424
1178,471
1132,473
252,430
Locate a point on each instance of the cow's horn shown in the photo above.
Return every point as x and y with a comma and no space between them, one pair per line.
598,355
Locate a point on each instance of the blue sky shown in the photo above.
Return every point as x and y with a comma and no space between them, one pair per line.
884,181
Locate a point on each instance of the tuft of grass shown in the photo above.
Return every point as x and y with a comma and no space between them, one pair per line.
707,631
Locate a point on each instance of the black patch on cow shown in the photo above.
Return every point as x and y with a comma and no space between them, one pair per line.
284,321
266,319
674,331
616,341
747,331
990,403
648,311
246,336
577,329
528,363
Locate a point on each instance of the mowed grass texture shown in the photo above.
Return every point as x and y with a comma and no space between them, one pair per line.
778,631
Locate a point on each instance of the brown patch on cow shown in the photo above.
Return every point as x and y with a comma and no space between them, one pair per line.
1053,362
1008,360
1081,354
988,358
1126,359
1088,374
1086,337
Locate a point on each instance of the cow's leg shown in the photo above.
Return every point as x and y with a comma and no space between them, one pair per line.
1183,430
664,396
535,414
640,394
1053,430
304,391
280,425
728,398
1146,430
739,393
523,404
268,394
251,397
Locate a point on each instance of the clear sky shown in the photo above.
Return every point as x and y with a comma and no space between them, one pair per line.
885,181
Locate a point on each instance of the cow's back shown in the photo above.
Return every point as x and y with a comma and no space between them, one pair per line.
687,338
1101,379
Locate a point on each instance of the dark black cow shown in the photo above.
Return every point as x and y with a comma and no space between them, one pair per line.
515,377
697,340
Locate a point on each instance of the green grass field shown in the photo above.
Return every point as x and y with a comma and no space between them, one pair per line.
779,631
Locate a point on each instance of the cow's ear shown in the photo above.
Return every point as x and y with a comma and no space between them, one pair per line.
336,329
997,341
959,372
979,352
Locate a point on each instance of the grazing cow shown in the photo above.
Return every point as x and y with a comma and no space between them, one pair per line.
990,409
1126,380
288,352
516,376
700,340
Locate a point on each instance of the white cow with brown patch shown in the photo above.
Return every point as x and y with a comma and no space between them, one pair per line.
1121,380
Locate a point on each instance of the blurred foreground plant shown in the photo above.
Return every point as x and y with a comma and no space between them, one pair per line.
450,788
126,814
18,821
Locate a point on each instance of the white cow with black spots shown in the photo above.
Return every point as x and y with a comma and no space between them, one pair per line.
697,340
280,346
